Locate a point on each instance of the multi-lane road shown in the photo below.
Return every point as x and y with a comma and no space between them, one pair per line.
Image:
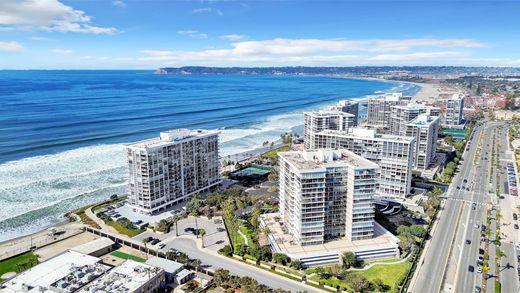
431,271
450,262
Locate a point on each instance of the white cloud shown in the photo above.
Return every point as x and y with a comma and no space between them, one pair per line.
319,52
119,3
61,51
233,37
193,34
208,10
39,39
47,15
11,46
99,58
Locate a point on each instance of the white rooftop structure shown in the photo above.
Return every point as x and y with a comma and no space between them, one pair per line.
169,266
130,276
94,245
66,272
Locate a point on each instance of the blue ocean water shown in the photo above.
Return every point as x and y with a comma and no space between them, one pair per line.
61,132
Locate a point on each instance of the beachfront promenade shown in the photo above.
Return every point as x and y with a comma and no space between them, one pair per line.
24,244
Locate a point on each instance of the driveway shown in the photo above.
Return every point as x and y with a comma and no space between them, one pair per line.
215,238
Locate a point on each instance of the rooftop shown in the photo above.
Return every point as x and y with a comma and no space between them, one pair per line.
169,266
325,158
171,137
94,245
423,120
128,277
325,113
67,272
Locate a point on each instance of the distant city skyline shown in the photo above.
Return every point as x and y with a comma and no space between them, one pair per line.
133,34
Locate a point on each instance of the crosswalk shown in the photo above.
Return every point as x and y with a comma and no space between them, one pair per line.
480,204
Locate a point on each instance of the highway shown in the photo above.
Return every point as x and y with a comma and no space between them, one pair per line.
431,272
474,215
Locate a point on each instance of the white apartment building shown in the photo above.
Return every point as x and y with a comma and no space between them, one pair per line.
347,106
394,155
379,109
317,121
326,195
424,129
166,170
454,110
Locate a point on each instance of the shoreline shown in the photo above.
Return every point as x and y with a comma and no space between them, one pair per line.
238,157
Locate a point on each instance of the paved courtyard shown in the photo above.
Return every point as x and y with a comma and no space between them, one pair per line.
127,212
215,238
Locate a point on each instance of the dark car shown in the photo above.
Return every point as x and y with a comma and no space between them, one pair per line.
155,241
468,241
465,180
477,289
471,268
515,226
481,250
515,216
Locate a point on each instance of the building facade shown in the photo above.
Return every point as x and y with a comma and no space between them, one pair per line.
394,155
347,106
326,195
454,110
167,170
425,130
317,121
379,109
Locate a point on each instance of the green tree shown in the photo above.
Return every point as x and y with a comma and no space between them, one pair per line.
196,264
348,259
241,249
281,258
417,230
226,250
202,232
254,217
221,277
359,283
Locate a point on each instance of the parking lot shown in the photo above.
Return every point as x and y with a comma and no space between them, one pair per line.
214,239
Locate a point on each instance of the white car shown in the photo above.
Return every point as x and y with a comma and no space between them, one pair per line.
479,269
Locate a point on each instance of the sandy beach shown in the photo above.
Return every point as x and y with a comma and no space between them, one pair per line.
430,92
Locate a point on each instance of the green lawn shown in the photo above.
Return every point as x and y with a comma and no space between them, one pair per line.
272,154
248,232
123,255
389,274
124,230
18,263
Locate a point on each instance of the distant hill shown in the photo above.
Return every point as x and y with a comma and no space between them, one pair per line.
353,71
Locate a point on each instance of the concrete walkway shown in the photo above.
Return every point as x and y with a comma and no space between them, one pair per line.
381,263
243,237
100,222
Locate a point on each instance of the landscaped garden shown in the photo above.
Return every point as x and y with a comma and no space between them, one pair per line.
124,255
18,263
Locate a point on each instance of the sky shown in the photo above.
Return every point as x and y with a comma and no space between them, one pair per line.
148,34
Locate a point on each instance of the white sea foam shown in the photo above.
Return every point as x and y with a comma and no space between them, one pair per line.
36,191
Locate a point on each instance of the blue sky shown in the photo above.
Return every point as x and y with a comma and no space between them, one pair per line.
119,34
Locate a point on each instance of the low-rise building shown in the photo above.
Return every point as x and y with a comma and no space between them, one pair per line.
66,272
130,276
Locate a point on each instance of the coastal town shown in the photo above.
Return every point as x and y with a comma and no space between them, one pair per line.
355,203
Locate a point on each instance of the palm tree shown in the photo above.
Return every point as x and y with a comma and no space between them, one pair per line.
202,232
196,263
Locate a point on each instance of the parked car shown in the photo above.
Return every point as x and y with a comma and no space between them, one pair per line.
162,245
515,216
154,241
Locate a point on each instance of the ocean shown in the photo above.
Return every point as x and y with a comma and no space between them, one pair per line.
61,132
